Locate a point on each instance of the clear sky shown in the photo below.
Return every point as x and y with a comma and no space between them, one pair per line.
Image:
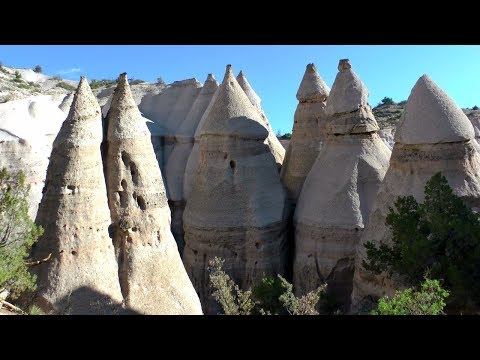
274,72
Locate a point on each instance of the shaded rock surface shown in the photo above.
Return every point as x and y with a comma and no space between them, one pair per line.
184,140
278,151
308,132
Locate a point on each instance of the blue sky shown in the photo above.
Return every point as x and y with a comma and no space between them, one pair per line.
274,72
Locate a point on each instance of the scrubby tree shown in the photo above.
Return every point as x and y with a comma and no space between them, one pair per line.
387,101
160,81
428,300
271,296
37,69
17,234
439,237
475,107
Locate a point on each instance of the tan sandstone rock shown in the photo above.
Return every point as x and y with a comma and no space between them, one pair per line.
236,209
433,135
336,198
308,132
152,275
82,275
277,149
177,161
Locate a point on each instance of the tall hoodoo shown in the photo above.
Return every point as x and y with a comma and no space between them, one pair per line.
338,193
308,132
152,276
236,209
433,136
82,275
277,149
177,161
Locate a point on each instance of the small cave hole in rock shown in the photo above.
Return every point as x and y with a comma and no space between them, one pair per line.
141,203
74,252
125,158
134,172
232,164
257,245
124,184
225,156
111,230
134,229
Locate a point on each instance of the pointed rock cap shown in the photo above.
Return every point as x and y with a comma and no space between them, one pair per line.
124,119
232,114
83,125
312,86
251,94
432,117
347,104
210,86
348,92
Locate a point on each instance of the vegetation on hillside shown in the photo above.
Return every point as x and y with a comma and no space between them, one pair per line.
439,238
65,86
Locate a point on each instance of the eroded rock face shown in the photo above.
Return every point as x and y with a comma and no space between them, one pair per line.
166,111
278,151
335,201
236,209
308,132
151,273
75,215
418,155
184,140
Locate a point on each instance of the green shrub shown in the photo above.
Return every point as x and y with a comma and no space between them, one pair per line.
428,300
17,234
272,296
387,101
65,86
160,81
439,237
17,75
95,84
136,81
37,69
475,107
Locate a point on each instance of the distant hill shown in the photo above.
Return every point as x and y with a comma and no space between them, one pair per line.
388,115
